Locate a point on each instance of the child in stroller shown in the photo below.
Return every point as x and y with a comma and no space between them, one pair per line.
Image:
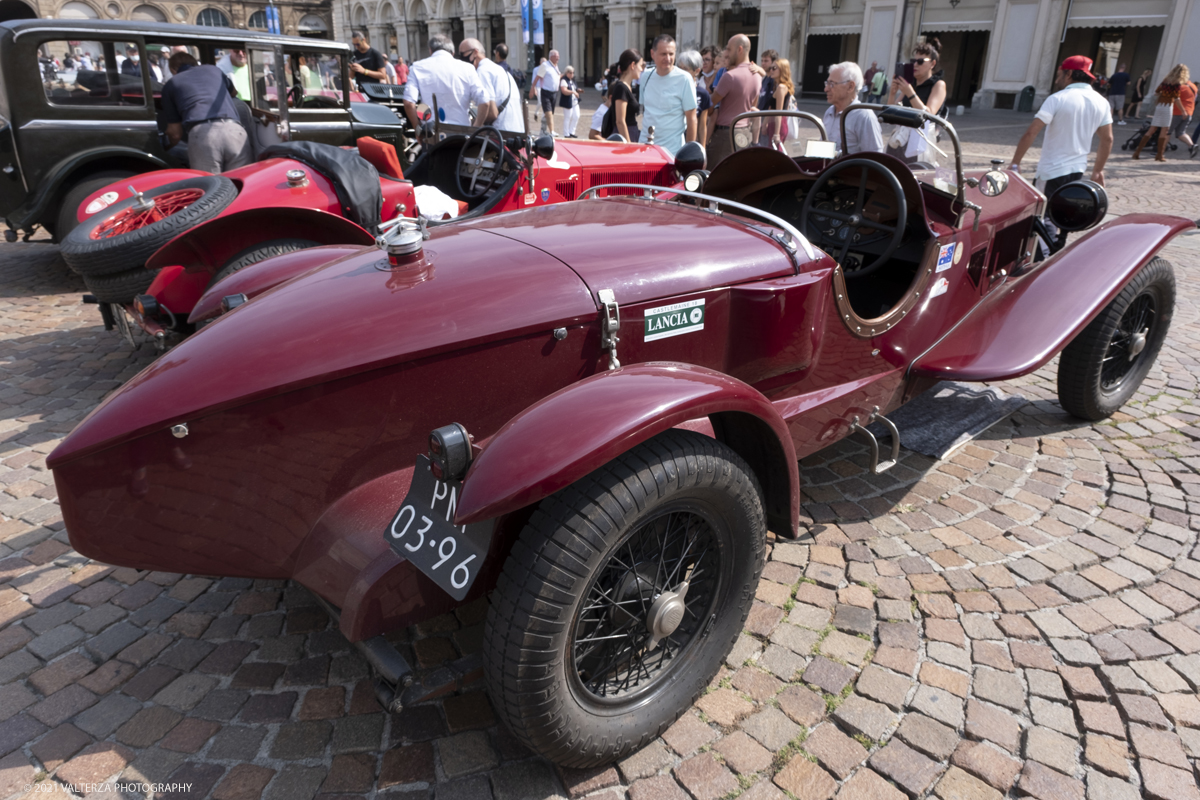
1133,140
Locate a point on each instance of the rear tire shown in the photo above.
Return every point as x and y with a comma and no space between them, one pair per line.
1106,363
91,250
120,288
67,221
261,252
567,656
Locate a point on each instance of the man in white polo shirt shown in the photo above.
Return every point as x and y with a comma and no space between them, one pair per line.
1071,118
545,83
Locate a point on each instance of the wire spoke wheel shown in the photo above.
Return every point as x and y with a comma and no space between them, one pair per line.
1128,343
1102,368
622,597
137,217
633,624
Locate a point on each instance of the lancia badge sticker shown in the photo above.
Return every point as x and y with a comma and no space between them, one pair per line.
674,320
939,287
545,195
946,256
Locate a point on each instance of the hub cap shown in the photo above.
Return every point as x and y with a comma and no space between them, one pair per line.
146,212
1128,342
647,604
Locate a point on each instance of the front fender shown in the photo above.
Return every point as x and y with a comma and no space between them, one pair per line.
581,427
143,183
208,247
1023,324
267,274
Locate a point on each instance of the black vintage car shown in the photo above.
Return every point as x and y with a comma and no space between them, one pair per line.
80,100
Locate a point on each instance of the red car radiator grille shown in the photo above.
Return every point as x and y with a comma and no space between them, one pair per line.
658,176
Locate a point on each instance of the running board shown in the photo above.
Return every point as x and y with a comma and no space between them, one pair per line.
876,466
396,685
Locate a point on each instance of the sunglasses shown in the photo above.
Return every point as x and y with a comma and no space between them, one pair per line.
917,61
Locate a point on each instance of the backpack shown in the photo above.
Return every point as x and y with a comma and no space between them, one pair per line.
608,126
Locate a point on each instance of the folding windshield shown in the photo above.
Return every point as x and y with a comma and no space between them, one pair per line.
927,144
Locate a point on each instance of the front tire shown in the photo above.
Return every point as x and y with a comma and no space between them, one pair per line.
594,646
261,252
1106,363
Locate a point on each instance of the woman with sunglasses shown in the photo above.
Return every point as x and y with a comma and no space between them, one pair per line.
928,91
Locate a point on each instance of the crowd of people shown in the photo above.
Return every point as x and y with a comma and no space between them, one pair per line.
699,96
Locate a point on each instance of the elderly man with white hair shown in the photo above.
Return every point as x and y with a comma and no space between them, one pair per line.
863,134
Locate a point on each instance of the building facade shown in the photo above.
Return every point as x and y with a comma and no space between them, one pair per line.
296,18
991,49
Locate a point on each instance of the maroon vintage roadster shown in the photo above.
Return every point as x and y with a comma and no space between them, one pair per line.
592,412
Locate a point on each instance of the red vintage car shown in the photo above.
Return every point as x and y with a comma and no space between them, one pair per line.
592,412
191,228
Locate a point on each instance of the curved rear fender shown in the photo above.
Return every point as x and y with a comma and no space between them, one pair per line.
211,245
346,560
581,427
267,274
143,183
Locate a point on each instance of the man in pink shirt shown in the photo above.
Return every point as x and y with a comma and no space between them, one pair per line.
737,93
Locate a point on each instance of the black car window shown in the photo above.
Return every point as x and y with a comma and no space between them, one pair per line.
95,73
319,76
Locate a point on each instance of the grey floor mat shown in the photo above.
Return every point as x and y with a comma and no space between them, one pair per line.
949,415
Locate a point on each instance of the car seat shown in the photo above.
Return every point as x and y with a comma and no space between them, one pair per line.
382,156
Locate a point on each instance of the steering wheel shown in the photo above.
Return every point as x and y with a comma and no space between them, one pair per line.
845,231
472,166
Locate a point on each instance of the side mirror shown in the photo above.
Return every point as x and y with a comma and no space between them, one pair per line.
690,158
993,183
1077,206
543,147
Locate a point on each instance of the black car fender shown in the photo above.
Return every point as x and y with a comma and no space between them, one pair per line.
75,168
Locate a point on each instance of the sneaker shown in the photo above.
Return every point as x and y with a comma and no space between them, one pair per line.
1120,122
1192,151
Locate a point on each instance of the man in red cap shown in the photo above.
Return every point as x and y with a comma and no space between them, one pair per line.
1071,117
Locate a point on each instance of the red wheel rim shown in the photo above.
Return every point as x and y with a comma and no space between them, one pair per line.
134,218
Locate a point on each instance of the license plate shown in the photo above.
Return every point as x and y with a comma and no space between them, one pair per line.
424,533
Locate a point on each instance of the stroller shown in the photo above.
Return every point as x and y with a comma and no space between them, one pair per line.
1132,141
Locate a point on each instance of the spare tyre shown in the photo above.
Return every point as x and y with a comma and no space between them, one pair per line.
126,234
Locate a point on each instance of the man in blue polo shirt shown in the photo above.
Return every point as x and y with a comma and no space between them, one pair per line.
197,106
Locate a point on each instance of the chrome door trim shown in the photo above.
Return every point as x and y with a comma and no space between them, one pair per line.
90,124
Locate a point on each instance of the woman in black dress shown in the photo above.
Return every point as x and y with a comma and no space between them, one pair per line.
928,90
625,104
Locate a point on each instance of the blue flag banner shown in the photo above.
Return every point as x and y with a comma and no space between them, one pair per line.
273,19
536,23
525,21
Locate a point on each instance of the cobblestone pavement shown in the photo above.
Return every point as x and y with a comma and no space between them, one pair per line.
1022,619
